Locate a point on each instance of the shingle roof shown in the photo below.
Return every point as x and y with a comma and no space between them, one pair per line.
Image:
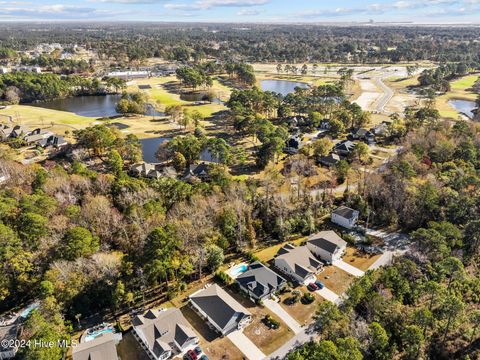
163,328
345,212
101,348
327,240
219,306
299,259
260,279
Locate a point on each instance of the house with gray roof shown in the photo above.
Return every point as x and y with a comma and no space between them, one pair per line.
164,333
345,217
220,309
8,333
330,160
259,282
344,147
103,347
298,263
327,245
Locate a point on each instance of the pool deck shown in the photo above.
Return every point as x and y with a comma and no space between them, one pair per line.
233,270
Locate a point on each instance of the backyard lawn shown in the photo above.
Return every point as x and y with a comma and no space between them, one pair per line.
359,259
335,279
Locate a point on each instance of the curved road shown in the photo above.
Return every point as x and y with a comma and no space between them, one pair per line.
387,95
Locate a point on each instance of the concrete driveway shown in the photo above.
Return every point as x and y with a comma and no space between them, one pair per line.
246,346
277,309
329,295
348,268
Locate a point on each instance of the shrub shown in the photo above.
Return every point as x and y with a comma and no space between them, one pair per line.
223,277
307,298
271,322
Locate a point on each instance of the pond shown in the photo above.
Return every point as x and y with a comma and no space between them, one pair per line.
283,87
92,106
463,106
150,147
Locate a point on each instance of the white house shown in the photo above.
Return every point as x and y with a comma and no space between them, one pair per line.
327,245
102,347
298,263
345,217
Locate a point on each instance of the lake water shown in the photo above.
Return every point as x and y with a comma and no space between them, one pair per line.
150,147
464,106
92,106
283,87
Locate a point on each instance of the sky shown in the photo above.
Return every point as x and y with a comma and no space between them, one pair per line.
272,11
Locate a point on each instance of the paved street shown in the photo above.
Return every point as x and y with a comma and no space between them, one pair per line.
348,268
246,346
282,314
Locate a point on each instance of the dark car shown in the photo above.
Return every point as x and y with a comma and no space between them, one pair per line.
319,284
204,357
198,350
312,287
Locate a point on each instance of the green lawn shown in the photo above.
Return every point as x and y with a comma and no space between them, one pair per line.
459,89
464,83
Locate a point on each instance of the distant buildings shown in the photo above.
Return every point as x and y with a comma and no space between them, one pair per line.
152,171
345,217
220,309
164,333
129,75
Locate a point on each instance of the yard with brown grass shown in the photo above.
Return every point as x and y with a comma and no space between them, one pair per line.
266,339
335,279
359,259
303,313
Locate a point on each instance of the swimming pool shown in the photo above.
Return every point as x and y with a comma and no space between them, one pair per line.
238,269
28,310
94,334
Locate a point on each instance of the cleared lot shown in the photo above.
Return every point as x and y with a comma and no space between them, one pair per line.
335,279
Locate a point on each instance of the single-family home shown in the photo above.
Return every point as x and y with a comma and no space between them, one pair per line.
19,131
152,171
327,245
221,310
5,131
298,263
200,171
259,282
363,135
381,129
325,124
103,347
38,136
345,216
344,147
164,333
331,159
7,334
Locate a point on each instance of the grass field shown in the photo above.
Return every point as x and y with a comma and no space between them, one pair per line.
159,95
459,89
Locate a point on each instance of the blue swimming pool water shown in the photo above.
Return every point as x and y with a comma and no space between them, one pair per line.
239,269
97,333
28,310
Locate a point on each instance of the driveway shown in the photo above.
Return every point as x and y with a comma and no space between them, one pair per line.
348,268
329,295
395,244
246,346
282,314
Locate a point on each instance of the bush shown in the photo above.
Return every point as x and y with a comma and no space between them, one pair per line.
307,298
251,257
271,322
223,277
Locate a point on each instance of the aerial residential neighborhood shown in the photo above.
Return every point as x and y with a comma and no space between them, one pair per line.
239,180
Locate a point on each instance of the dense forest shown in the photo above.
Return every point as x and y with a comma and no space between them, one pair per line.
255,43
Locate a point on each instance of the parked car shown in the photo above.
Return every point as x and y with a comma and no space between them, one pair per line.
204,357
312,287
319,284
192,355
198,350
